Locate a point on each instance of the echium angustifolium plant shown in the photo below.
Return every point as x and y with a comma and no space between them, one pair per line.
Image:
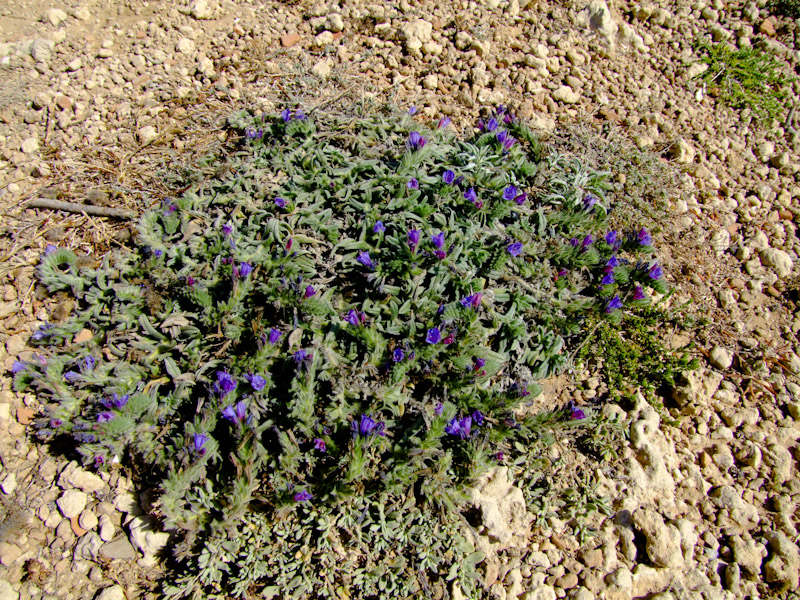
315,354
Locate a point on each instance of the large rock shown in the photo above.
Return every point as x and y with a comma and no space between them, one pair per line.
663,541
72,503
784,566
503,509
7,592
419,30
779,260
147,538
597,17
696,389
75,477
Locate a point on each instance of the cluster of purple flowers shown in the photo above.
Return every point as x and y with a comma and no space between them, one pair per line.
416,141
506,140
242,271
236,413
471,301
116,401
510,193
356,318
287,116
367,427
225,384
461,427
473,197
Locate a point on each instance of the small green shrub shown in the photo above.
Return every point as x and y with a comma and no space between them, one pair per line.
785,8
745,78
314,353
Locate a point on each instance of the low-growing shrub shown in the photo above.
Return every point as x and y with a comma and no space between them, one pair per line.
747,78
312,355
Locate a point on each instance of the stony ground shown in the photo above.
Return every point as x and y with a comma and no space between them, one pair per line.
100,98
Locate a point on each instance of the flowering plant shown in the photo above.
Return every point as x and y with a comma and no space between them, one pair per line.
222,358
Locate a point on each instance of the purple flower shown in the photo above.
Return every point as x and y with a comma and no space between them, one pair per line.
355,318
18,366
49,249
227,229
303,496
301,356
491,124
520,199
438,409
478,417
638,293
286,115
72,376
88,363
471,195
473,300
398,355
444,122
434,336
459,426
116,401
449,339
614,304
245,270
236,413
589,201
438,240
574,242
199,442
364,259
56,423
508,142
608,279
644,237
379,227
655,272
280,202
158,253
300,115
190,281
412,110
319,444
576,414
587,241
257,382
611,238
253,134
413,239
274,336
225,384
612,262
448,177
510,193
105,416
367,427
413,184
479,364
43,332
416,141
515,249
310,291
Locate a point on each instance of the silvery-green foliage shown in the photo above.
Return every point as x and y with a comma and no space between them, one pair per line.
313,355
